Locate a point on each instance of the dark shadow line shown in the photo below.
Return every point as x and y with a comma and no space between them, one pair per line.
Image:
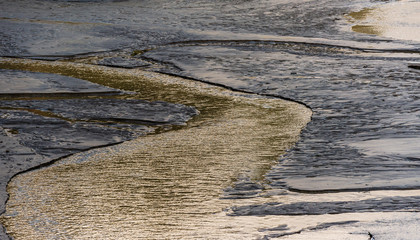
235,89
366,189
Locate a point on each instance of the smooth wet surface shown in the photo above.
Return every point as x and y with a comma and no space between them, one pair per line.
361,101
397,19
161,183
352,175
18,83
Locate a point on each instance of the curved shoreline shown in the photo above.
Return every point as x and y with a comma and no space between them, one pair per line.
363,134
203,89
318,107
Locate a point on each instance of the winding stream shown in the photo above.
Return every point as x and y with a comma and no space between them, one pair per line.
262,119
167,182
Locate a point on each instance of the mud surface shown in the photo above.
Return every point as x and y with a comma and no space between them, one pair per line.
29,84
339,207
172,173
357,98
354,64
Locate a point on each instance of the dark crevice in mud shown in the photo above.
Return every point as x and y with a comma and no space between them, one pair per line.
256,43
3,232
275,43
282,227
361,189
123,67
315,228
234,89
414,66
131,121
388,204
416,159
170,65
236,43
49,163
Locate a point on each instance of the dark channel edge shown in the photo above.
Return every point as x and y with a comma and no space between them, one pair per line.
51,58
176,114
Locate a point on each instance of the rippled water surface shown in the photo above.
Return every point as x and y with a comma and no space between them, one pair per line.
251,164
159,185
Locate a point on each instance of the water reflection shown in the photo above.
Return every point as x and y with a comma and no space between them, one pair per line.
159,186
399,20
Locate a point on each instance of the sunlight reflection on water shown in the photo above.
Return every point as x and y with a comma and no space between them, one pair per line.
399,20
159,185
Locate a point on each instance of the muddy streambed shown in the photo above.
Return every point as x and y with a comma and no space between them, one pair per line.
210,103
161,184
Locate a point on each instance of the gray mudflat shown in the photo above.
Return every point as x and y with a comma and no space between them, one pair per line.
365,130
109,110
21,82
389,204
365,108
14,157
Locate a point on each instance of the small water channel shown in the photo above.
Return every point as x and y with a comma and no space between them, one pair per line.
159,185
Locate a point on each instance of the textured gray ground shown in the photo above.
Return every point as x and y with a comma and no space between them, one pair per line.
18,83
366,107
365,130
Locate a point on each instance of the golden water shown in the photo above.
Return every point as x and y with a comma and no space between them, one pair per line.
399,20
165,185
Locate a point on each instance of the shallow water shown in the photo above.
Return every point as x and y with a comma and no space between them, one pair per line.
161,183
352,174
397,20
